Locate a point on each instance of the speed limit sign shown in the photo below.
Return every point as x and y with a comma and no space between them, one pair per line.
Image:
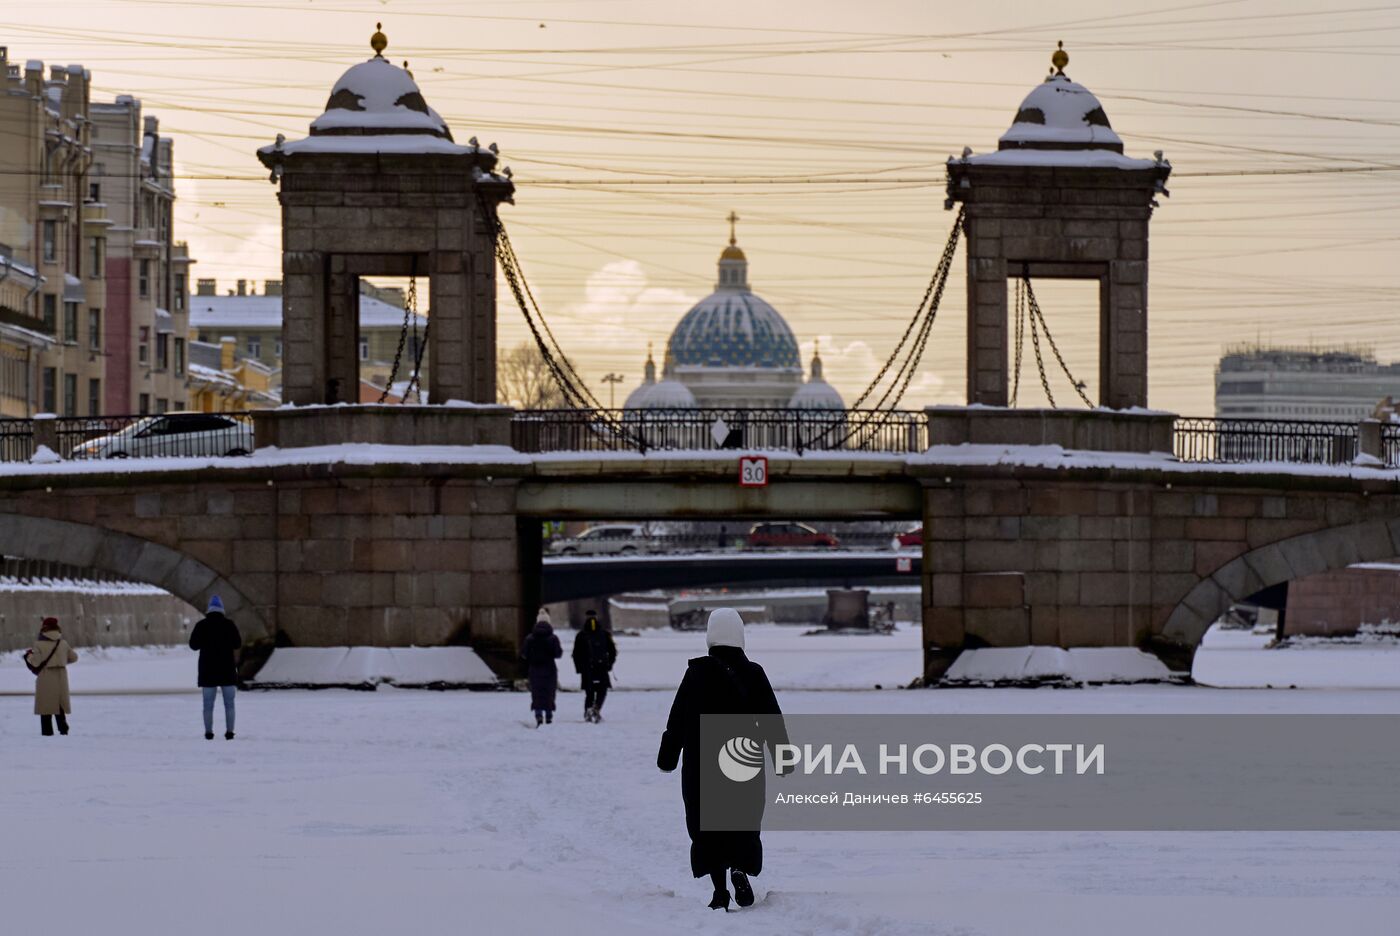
753,471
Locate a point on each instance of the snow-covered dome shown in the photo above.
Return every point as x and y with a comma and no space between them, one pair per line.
732,327
378,97
816,393
1061,114
669,394
637,399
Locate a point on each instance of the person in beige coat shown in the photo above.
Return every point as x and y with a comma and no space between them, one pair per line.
51,655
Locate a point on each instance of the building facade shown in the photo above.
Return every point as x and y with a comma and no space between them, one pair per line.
254,322
1342,384
52,295
147,314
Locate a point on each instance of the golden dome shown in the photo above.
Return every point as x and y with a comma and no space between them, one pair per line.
732,252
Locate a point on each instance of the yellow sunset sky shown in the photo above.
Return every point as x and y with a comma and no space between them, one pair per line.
634,128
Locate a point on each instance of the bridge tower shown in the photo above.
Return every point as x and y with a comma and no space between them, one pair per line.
1058,200
380,187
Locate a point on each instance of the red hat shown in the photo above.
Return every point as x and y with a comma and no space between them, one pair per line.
50,623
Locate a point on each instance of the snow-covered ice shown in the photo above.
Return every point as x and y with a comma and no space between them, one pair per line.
352,813
373,666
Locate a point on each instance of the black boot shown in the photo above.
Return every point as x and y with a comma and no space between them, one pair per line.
62,723
720,901
46,725
208,736
743,891
539,719
228,735
549,718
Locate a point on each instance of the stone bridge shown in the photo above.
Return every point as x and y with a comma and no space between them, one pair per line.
1084,552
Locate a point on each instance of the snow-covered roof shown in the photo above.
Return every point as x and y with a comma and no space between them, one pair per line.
668,394
243,312
1089,159
374,143
378,96
1060,113
817,394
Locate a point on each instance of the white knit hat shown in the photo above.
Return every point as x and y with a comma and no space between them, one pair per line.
726,629
543,616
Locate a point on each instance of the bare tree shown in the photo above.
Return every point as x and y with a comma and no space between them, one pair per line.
523,379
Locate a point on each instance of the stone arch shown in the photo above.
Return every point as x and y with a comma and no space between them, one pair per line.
129,557
1280,561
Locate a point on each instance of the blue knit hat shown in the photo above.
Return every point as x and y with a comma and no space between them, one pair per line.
215,604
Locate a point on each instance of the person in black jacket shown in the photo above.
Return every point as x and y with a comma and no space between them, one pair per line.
218,642
539,653
723,682
594,655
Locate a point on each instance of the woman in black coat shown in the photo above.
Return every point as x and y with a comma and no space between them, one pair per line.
723,682
540,651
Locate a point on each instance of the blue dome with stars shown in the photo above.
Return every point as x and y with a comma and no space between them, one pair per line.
732,327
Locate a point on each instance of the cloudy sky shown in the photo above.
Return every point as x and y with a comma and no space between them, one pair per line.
634,126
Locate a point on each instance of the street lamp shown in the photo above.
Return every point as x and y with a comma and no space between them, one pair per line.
612,380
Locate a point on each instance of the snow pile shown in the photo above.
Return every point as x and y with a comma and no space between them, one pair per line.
10,583
43,455
1244,660
1005,666
367,667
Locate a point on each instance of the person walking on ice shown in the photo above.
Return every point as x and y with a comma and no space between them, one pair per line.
539,653
48,660
724,682
218,642
594,655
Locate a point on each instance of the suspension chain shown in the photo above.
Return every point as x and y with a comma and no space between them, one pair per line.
1020,339
414,384
410,311
1040,363
1036,313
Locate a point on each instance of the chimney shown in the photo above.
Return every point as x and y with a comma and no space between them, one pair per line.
227,345
272,288
243,287
207,287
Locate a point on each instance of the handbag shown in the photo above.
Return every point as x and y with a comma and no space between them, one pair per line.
36,670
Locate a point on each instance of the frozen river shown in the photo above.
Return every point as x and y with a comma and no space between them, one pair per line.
339,812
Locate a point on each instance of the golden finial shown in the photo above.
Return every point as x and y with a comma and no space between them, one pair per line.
405,68
732,219
378,42
1060,59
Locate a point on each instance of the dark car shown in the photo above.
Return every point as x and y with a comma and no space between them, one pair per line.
909,539
787,535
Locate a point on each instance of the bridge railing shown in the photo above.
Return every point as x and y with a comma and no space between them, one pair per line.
1203,439
150,436
784,430
733,538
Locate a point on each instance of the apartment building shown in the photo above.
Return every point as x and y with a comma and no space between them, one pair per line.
147,270
1334,384
52,293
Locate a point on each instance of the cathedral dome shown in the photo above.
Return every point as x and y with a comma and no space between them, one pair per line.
669,394
1061,114
734,328
378,97
816,393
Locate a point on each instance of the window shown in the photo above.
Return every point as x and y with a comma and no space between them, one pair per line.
50,314
50,241
143,347
95,257
162,353
70,322
364,349
143,281
143,404
70,394
49,390
278,346
94,329
94,188
162,405
94,397
179,357
181,287
255,346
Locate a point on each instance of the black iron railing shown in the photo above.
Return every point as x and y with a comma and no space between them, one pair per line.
1201,439
170,435
784,430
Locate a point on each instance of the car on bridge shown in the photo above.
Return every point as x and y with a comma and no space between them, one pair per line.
788,536
609,539
173,434
912,538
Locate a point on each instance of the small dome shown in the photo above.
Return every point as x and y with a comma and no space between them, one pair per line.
378,97
733,252
817,395
1061,114
637,399
668,394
